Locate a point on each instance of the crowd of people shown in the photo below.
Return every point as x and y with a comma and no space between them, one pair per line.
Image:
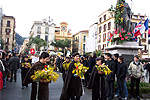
101,85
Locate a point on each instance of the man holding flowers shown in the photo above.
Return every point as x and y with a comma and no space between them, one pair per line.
43,90
72,88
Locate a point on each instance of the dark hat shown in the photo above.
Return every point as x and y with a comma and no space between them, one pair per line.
98,58
75,54
116,55
108,54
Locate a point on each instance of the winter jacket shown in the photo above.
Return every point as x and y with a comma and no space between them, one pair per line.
121,70
14,63
136,69
111,66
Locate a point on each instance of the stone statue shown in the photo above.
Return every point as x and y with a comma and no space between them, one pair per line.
126,17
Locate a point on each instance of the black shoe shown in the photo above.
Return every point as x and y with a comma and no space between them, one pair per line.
26,86
22,87
110,98
138,98
131,97
15,81
10,81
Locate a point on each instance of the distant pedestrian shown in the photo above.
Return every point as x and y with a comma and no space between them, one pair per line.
14,64
121,75
111,77
136,72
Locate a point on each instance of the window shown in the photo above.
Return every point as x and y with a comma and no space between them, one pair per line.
104,37
142,17
84,38
104,27
135,16
7,40
46,30
76,38
83,46
8,23
39,29
99,47
57,30
7,31
100,28
109,25
46,38
104,45
100,20
38,36
6,47
99,38
104,17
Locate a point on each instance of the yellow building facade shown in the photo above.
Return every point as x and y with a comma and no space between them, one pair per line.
80,41
62,32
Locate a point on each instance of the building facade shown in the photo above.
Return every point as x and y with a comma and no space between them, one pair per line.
43,31
8,33
62,32
80,41
91,40
24,48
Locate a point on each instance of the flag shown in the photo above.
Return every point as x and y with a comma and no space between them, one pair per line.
135,39
137,27
144,27
149,33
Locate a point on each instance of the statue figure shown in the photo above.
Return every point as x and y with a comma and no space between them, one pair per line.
126,17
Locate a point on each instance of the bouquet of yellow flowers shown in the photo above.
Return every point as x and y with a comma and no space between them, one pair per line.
104,69
79,70
46,75
66,65
26,65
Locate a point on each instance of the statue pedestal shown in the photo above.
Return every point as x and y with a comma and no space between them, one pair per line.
126,49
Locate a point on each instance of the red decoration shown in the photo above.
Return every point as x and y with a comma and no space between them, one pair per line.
126,37
122,38
32,51
45,66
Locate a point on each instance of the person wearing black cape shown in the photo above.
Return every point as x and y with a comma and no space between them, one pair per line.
24,69
43,89
72,88
64,66
97,82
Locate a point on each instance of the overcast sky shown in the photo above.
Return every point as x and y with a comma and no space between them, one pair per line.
79,14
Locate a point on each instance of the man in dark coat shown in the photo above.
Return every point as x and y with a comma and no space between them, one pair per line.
43,90
111,77
72,87
121,75
97,82
14,64
92,62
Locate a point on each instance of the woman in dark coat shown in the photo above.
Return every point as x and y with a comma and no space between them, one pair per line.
24,69
97,82
43,89
72,88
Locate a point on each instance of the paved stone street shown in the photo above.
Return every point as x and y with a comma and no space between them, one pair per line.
14,90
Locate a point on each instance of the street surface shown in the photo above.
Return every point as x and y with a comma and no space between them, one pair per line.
14,90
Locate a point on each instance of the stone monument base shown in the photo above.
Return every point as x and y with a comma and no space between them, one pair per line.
126,49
